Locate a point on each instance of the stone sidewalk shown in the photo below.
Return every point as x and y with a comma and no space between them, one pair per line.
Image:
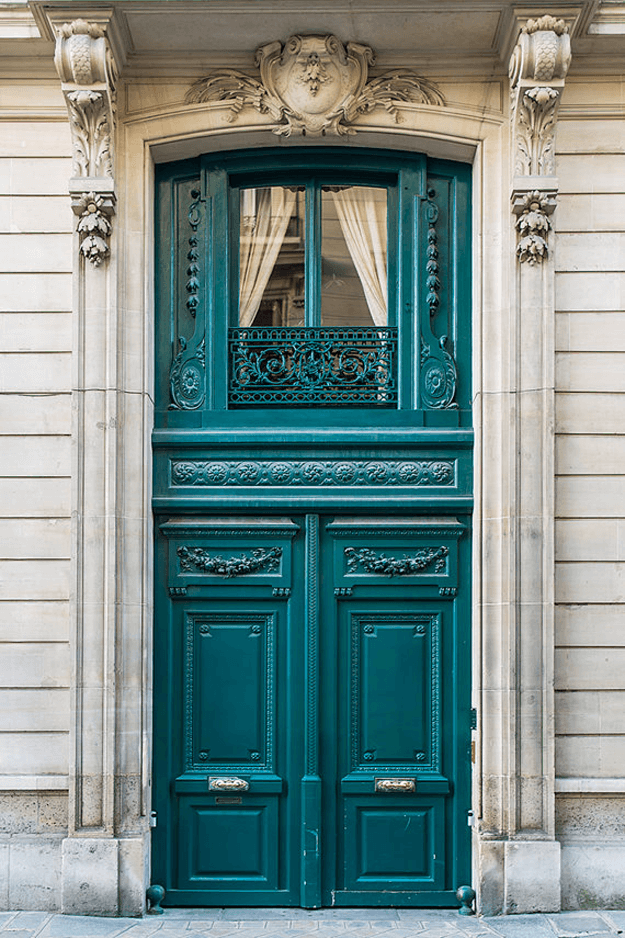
298,923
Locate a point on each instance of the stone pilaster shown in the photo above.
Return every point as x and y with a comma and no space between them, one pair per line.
104,856
519,858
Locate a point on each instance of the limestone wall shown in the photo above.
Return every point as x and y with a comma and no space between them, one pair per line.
590,492
35,415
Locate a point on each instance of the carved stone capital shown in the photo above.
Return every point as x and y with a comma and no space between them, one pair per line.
538,67
533,208
314,85
87,71
94,211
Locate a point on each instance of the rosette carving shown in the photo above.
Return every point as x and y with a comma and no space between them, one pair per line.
314,85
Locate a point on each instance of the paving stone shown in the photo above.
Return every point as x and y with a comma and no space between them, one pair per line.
27,920
574,924
84,926
520,926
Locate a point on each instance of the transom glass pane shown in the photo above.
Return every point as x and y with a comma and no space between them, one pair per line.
354,288
271,257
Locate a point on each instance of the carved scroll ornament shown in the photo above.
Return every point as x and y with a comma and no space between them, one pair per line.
314,85
538,67
87,71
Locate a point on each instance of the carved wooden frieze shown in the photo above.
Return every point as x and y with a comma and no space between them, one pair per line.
314,85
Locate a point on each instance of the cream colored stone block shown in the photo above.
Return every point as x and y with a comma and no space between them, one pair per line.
590,371
588,817
48,293
35,139
38,253
90,876
591,213
593,876
36,176
35,664
588,90
34,753
590,497
44,538
41,332
36,371
590,251
590,756
4,875
590,332
34,621
46,414
584,454
583,625
590,582
35,873
40,709
582,173
532,876
37,95
35,498
577,292
590,135
590,540
25,214
34,579
34,456
134,860
589,669
590,712
590,413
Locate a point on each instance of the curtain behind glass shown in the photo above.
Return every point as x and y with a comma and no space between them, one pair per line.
362,215
265,216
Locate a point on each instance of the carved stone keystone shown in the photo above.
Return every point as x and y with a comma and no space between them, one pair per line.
314,85
87,71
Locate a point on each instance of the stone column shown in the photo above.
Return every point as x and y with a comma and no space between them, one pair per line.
519,858
102,871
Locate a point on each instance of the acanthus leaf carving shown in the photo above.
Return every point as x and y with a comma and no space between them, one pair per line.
533,209
94,211
87,71
314,85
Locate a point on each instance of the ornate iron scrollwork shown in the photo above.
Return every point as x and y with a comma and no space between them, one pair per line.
309,366
187,377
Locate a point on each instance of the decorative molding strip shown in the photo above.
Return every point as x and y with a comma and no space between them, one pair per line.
314,85
194,558
187,375
87,70
380,565
439,472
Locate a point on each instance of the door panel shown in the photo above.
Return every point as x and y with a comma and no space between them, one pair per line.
309,712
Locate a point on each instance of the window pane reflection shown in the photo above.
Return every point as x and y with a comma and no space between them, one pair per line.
271,268
354,290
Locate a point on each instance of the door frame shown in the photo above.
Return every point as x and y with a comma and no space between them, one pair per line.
110,754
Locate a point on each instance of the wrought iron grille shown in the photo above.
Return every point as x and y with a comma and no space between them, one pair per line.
305,367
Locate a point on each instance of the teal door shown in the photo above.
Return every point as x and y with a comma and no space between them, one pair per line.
313,678
312,500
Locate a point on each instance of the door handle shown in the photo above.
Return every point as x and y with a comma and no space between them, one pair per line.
228,783
395,784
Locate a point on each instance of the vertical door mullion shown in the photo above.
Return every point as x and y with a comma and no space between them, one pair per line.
313,254
311,781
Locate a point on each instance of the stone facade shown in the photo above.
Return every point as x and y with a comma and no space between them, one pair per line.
76,325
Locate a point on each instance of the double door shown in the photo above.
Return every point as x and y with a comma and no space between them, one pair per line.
311,711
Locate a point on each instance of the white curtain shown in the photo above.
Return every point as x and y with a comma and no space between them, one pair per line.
265,216
362,215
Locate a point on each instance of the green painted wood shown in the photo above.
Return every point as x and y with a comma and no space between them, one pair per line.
312,626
